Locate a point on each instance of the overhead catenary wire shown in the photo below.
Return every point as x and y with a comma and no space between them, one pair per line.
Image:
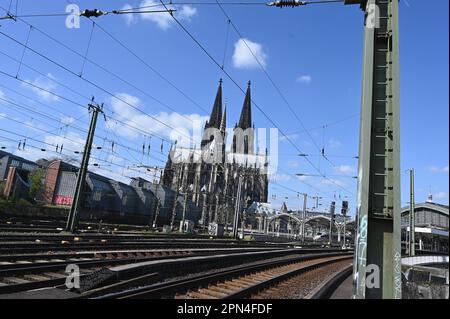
151,68
49,116
59,96
67,149
87,49
269,77
104,69
115,39
100,167
101,67
142,9
96,166
80,129
253,102
95,85
155,169
111,73
133,10
66,125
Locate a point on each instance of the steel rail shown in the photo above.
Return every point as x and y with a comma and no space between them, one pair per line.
257,287
87,265
170,288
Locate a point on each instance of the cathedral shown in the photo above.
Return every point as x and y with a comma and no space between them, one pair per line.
216,178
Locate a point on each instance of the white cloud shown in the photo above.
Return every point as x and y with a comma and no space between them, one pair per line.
186,12
2,115
184,125
345,169
304,79
67,120
162,19
45,84
243,58
130,18
436,169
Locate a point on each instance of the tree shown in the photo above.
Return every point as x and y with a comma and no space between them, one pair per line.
36,182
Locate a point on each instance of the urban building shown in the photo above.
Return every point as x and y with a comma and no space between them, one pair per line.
431,227
8,160
107,199
14,174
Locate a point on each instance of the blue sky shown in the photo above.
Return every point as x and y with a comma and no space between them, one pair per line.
313,54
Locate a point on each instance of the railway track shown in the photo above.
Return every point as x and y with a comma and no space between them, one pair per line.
21,272
263,283
26,243
240,281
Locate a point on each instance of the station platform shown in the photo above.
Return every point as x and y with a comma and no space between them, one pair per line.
344,291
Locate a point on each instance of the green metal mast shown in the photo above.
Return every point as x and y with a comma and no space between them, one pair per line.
377,264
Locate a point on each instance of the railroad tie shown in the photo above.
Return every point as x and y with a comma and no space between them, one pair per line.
235,284
211,292
54,274
35,277
220,289
263,277
15,281
247,281
227,287
197,295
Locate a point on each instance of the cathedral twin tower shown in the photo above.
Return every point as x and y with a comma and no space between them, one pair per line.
213,184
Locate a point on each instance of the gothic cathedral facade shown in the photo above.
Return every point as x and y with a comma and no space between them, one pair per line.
210,176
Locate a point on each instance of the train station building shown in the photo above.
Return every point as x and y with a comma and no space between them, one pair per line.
431,227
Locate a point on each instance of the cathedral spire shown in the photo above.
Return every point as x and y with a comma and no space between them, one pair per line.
223,123
216,113
245,120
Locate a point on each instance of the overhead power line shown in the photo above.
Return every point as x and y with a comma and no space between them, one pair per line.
253,102
95,85
126,47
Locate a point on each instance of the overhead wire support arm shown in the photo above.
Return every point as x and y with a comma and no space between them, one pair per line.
297,3
88,13
97,13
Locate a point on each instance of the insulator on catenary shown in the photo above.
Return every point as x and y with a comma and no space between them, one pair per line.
92,13
287,3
